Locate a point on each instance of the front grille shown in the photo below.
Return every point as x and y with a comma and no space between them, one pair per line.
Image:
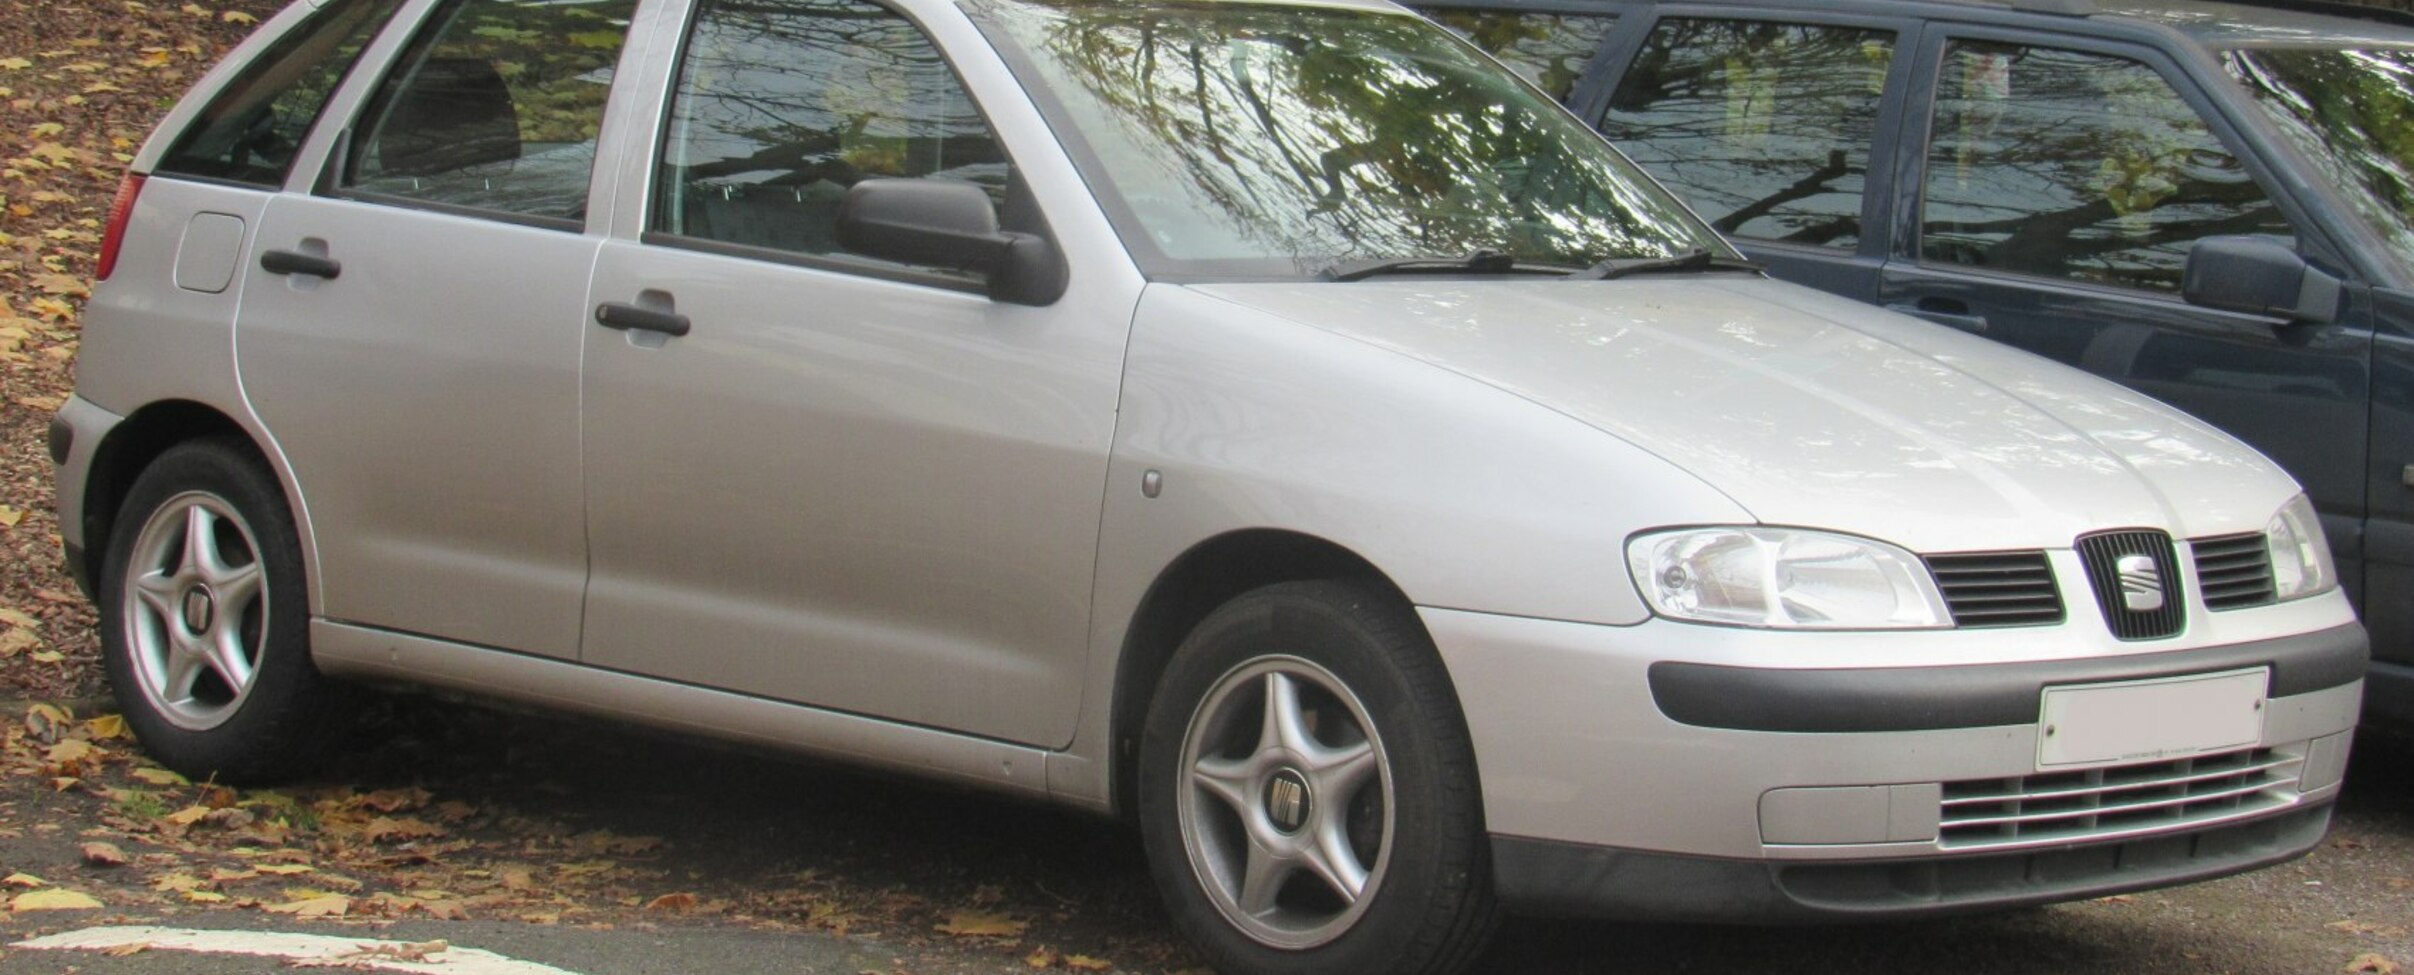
2102,555
2235,571
1998,588
2111,803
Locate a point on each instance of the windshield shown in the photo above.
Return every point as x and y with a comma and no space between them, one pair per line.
1266,140
2353,112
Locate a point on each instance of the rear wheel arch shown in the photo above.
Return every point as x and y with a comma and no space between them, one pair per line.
1212,573
141,438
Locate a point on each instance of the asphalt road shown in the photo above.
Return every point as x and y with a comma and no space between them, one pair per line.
732,822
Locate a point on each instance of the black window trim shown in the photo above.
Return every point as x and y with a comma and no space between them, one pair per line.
378,36
658,148
1911,156
1878,185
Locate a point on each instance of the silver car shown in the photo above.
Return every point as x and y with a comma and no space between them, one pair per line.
1271,421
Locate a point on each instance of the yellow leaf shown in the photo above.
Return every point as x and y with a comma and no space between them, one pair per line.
100,86
15,64
154,58
53,900
103,854
47,657
285,869
1088,964
9,517
324,905
196,10
46,130
2373,964
979,924
107,726
178,882
14,642
24,880
18,617
1041,957
238,17
122,951
53,309
204,897
188,815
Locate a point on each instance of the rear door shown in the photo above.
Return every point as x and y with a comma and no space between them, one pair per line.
410,330
1766,122
2059,188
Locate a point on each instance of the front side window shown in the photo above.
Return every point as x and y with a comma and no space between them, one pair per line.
249,131
1280,140
1548,49
2081,166
1764,127
2352,111
495,106
782,105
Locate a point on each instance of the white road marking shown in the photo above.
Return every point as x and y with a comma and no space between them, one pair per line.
364,953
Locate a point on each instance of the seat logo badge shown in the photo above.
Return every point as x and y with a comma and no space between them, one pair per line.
1287,800
2141,583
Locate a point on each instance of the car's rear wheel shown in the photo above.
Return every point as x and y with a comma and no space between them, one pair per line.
205,627
1308,793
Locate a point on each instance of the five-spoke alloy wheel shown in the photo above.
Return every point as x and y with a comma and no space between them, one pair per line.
205,628
1307,789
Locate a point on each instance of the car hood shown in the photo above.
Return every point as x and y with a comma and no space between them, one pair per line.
1810,410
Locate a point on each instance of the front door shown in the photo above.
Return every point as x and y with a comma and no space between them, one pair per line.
817,477
2061,189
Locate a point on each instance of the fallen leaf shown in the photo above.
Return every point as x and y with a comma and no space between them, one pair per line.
14,642
1088,964
182,882
385,829
285,869
18,617
188,815
67,900
204,897
24,880
2372,964
159,776
678,903
47,657
121,951
9,517
980,924
1041,957
107,726
324,905
238,17
104,854
14,64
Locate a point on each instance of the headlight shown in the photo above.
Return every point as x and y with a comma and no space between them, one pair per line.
2301,563
1783,577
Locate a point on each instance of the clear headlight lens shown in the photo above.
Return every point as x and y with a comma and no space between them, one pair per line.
2301,563
1783,577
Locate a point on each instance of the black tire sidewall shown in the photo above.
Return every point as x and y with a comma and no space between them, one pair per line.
280,728
1436,878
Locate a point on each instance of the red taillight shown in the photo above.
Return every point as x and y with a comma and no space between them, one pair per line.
119,209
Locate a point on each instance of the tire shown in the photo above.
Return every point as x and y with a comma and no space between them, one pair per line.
205,622
1258,830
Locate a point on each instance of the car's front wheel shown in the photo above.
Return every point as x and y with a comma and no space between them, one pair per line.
204,629
1307,791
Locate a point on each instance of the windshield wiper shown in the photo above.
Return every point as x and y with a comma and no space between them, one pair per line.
1479,261
1698,259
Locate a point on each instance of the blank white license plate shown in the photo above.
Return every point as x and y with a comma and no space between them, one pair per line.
2151,720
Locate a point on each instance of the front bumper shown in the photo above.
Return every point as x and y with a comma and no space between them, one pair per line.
1675,771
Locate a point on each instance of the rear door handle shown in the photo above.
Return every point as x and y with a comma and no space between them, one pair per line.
1945,311
296,262
627,317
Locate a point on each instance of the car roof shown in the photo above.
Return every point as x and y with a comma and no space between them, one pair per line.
2214,24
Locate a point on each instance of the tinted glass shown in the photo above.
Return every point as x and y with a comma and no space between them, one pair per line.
2353,112
1765,128
1277,140
783,104
496,106
1548,49
249,132
2075,165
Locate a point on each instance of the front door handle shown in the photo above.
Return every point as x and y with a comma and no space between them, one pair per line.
296,262
1945,311
627,317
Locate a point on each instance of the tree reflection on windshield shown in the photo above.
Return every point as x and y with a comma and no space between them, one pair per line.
2353,112
1277,139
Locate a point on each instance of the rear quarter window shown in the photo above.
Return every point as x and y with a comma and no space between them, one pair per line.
249,131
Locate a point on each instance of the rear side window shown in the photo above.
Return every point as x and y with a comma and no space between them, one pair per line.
248,133
1550,50
783,104
2068,164
1764,127
496,106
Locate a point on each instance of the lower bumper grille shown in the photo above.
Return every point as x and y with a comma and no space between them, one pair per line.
2111,803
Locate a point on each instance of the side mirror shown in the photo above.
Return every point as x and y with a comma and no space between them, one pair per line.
2260,276
949,224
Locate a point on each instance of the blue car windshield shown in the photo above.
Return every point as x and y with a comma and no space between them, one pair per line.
1240,139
